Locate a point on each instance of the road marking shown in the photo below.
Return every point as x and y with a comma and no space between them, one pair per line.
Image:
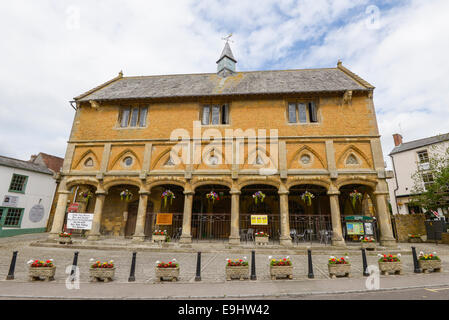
436,290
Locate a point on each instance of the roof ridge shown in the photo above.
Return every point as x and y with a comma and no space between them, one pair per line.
435,136
25,161
214,73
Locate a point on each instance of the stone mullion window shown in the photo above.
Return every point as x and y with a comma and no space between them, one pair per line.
215,115
133,117
302,112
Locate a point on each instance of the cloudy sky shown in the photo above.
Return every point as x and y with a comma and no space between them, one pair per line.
51,51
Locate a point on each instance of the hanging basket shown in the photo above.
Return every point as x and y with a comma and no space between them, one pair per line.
307,198
259,195
212,196
126,195
168,194
355,196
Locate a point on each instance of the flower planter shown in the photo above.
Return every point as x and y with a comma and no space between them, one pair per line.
415,240
103,274
159,238
281,272
237,272
36,273
387,267
65,240
261,240
427,265
339,269
169,274
371,246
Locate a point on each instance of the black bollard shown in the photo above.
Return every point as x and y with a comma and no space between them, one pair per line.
365,264
253,265
12,267
309,254
198,267
415,261
75,262
132,272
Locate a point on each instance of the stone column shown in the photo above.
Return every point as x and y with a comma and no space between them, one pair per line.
234,237
285,239
383,215
139,233
94,233
186,236
58,220
337,238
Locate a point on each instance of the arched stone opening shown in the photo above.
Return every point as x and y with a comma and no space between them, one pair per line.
211,219
358,212
169,208
119,214
269,207
309,212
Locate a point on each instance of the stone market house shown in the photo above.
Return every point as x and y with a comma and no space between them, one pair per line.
27,189
326,141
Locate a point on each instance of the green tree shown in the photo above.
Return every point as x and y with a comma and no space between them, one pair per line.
429,194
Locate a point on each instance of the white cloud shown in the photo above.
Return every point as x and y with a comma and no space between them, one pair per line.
50,56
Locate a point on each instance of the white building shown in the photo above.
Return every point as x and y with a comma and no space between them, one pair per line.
26,194
407,158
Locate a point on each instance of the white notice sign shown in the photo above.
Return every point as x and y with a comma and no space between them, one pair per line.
82,221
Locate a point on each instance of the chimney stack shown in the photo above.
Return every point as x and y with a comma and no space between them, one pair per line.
397,139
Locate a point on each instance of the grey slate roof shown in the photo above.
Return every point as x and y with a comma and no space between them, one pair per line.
420,143
24,165
240,83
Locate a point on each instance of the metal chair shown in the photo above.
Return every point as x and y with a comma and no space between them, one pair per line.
323,236
177,234
310,234
293,235
250,235
302,236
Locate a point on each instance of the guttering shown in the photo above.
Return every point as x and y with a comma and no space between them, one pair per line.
71,104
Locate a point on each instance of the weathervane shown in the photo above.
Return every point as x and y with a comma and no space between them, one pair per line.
227,38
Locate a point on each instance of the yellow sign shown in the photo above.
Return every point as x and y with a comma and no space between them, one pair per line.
259,220
164,219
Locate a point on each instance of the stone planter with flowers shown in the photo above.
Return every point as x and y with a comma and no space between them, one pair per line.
339,267
261,238
368,243
282,268
159,236
65,238
429,262
237,269
167,271
101,271
39,269
390,263
414,238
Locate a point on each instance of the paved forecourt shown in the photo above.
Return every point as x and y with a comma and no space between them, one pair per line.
213,269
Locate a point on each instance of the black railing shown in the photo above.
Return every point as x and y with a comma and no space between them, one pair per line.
211,226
